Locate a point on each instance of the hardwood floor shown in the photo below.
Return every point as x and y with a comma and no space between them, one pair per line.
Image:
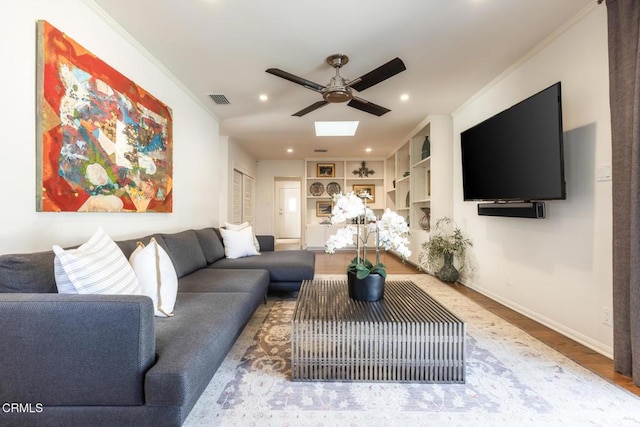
589,359
336,263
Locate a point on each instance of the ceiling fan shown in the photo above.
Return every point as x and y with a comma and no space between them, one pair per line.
339,89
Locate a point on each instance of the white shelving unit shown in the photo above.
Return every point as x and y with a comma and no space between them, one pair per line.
316,229
428,183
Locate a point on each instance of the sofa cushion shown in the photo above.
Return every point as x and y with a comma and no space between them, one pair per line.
283,266
185,251
128,246
238,243
96,267
210,244
267,243
30,273
254,282
33,272
192,345
156,275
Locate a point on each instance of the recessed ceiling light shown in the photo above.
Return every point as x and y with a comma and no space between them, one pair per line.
368,149
289,150
404,97
336,128
263,97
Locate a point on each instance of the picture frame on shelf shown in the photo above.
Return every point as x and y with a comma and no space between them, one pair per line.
323,208
369,188
326,170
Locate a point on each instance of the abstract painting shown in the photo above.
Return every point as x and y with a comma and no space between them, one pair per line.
104,144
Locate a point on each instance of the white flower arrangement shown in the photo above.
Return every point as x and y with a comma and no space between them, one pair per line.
390,230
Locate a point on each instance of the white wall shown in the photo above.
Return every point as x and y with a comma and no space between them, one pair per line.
558,268
267,171
195,134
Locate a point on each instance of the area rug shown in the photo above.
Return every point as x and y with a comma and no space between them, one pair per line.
512,379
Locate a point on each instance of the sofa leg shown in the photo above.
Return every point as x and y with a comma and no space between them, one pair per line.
265,299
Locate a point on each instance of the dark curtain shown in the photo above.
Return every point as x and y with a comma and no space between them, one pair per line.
624,83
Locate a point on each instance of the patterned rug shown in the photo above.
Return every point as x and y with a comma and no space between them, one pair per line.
512,379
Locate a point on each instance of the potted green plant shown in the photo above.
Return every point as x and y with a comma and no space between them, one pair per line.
445,243
366,279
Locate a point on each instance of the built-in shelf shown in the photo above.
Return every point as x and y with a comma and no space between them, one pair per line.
424,163
324,178
317,208
417,189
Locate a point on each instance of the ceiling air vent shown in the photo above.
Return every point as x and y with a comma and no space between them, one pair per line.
320,150
219,98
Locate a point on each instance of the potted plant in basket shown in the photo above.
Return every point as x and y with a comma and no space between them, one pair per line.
445,243
366,279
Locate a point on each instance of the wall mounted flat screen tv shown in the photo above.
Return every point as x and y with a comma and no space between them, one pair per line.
517,155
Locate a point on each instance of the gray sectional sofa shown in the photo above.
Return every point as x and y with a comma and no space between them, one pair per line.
105,360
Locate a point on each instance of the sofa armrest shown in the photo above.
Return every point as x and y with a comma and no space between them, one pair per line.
75,349
267,243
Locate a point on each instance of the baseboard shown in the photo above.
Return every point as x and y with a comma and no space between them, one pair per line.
568,332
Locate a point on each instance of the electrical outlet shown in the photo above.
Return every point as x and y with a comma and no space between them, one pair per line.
604,172
607,316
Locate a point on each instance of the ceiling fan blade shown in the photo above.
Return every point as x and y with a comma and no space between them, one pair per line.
295,79
310,108
378,75
367,106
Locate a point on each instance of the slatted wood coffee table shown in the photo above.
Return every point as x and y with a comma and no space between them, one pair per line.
406,337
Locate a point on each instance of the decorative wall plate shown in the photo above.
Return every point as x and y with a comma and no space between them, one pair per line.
333,188
316,189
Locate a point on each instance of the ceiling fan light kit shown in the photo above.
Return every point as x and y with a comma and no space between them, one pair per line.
337,94
340,90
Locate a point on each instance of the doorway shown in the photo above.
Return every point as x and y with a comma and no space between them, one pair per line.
288,213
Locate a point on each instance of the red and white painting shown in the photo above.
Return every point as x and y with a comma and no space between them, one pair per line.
104,143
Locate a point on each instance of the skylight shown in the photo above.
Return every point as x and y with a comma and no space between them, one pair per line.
336,128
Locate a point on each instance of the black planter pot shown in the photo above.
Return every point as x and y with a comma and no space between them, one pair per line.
371,288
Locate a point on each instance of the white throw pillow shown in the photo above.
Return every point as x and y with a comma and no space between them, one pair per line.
96,267
157,276
235,227
238,243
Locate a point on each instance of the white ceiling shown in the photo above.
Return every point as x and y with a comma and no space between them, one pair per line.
451,48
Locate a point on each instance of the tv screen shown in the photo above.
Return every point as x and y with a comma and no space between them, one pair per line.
517,154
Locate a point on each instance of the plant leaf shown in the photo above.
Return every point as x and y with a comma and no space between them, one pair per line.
379,269
362,271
